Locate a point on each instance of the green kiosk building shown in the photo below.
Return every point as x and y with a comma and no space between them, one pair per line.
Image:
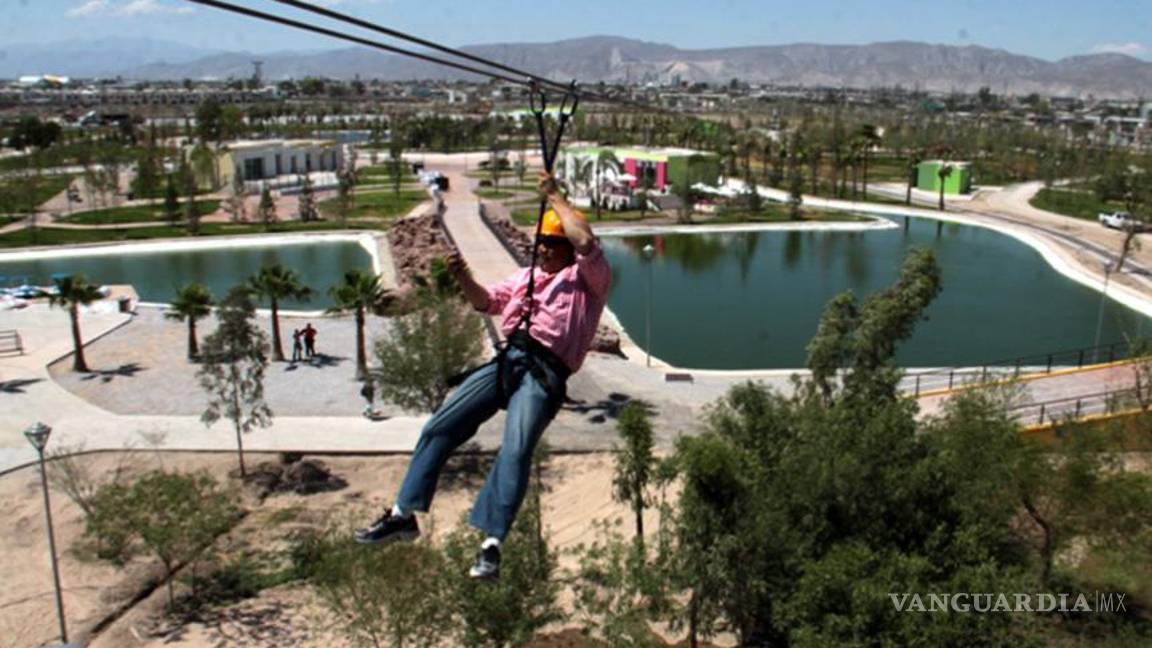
958,182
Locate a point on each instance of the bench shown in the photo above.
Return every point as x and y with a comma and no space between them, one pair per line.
10,342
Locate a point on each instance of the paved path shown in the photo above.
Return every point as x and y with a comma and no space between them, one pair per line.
1061,387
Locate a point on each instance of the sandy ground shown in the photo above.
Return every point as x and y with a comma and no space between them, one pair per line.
579,492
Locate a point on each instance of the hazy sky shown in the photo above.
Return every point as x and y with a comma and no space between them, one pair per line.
1048,29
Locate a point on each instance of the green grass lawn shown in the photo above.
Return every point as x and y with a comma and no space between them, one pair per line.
14,194
780,213
527,216
380,204
485,174
66,154
494,194
139,214
1078,204
873,196
53,236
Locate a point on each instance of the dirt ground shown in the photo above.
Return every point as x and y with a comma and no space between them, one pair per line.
94,591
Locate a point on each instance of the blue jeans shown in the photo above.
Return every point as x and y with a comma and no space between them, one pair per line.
530,409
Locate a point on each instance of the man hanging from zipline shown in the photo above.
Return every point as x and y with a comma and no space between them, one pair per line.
549,315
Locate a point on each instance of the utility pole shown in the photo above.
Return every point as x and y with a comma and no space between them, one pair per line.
256,77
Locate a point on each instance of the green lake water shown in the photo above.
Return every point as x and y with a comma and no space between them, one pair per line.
157,275
752,300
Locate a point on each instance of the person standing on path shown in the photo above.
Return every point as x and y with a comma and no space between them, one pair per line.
309,340
297,345
528,377
368,391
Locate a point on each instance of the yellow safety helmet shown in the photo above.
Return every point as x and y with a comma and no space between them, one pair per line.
551,225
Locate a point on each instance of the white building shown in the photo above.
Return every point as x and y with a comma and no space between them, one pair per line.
256,160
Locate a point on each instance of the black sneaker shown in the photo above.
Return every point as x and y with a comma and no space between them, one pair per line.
487,565
389,528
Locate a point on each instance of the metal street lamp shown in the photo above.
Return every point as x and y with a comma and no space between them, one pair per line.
1100,311
648,252
37,435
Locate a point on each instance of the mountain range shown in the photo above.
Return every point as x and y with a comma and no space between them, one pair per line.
613,59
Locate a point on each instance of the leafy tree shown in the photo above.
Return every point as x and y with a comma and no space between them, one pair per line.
191,210
177,515
519,167
203,163
645,187
149,166
495,154
31,131
231,123
233,369
100,497
1080,494
425,348
913,171
306,207
405,609
312,86
617,593
873,515
193,302
795,188
635,462
396,156
755,200
361,293
274,283
171,202
344,199
511,610
868,136
72,292
208,116
267,208
234,204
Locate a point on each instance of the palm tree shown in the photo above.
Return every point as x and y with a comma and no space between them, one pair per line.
605,161
275,282
868,137
583,175
944,172
192,302
913,168
360,293
72,292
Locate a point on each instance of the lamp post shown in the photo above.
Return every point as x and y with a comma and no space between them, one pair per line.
37,435
1100,311
648,251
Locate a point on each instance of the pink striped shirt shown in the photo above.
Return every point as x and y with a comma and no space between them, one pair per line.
568,305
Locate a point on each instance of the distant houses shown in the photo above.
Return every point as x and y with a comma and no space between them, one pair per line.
590,174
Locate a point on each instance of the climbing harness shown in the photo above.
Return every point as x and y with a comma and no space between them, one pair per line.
541,359
543,364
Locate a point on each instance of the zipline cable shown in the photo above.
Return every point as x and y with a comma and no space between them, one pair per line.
526,78
356,39
395,33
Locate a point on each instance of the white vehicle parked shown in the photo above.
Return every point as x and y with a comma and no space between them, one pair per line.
1120,220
